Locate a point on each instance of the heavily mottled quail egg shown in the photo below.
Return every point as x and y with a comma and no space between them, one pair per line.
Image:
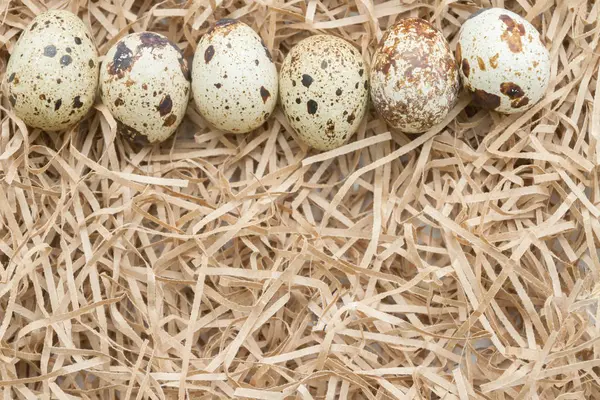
503,62
414,77
144,82
234,79
323,87
52,74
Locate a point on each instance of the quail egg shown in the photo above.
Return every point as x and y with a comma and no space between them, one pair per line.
234,79
503,61
414,77
323,87
52,74
145,83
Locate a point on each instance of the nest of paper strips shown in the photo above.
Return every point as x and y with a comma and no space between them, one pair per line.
459,264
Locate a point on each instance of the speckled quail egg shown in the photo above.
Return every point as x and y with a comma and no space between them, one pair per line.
234,79
323,86
52,74
503,62
145,83
414,76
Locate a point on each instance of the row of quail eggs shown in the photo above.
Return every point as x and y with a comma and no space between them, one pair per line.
324,83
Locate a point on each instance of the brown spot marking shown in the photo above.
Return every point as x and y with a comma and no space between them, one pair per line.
170,120
338,92
77,40
91,63
458,53
536,63
351,118
65,60
512,34
42,96
307,80
144,86
264,93
119,102
218,85
512,90
122,61
485,99
77,102
13,99
330,128
165,106
129,82
133,135
57,104
209,53
12,77
311,107
68,49
520,102
50,51
35,24
481,63
152,40
494,61
466,69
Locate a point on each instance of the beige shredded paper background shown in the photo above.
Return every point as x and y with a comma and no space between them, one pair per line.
459,264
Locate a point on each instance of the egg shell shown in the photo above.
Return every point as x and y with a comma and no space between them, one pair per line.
145,83
234,79
503,61
323,86
414,76
52,74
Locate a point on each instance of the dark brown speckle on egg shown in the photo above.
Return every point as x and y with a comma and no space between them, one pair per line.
466,68
265,94
77,102
209,53
170,120
50,51
312,107
307,80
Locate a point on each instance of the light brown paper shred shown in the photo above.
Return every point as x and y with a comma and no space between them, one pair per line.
457,264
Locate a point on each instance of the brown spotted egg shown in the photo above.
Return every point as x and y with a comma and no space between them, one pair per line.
52,74
234,79
414,77
503,62
144,82
323,86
